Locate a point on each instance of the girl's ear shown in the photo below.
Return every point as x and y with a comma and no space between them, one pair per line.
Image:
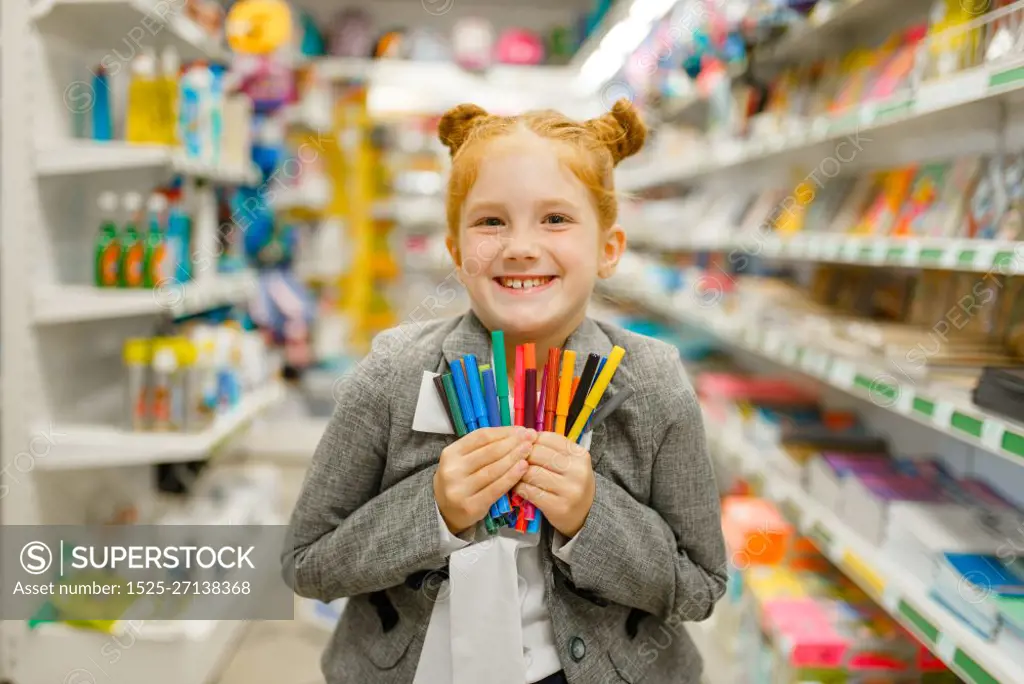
613,246
453,251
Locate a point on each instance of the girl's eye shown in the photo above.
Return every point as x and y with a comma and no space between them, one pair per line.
490,222
557,219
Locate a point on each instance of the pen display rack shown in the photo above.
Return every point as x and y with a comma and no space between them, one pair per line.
553,399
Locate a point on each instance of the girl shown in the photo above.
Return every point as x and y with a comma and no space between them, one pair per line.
631,547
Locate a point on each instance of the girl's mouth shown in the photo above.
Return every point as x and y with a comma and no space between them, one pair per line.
524,284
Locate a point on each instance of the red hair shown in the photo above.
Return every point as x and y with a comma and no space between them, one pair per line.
591,149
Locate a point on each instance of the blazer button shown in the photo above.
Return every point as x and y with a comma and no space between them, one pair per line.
577,649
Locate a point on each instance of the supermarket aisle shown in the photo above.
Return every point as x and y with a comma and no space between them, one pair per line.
279,652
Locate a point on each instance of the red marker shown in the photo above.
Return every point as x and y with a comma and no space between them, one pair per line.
551,387
530,386
520,385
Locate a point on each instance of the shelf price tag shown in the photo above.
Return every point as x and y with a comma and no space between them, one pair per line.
879,251
951,256
772,342
842,373
992,432
945,648
789,353
891,600
851,250
905,399
984,255
943,413
912,253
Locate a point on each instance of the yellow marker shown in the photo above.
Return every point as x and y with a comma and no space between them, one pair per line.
564,390
597,391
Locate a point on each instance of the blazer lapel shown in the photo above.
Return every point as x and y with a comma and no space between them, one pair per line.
468,337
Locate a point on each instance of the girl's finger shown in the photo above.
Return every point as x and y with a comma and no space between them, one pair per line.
494,470
484,436
535,495
502,485
556,461
493,453
542,478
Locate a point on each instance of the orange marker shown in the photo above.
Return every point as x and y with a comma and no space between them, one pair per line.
565,390
530,386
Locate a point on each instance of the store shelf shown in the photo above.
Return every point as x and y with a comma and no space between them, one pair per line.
901,593
826,32
404,86
411,211
901,113
883,384
106,25
74,303
187,652
89,156
102,446
1003,257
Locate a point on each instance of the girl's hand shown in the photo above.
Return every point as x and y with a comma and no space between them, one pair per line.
560,482
476,470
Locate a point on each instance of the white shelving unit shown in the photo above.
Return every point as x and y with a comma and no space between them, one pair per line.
900,592
976,110
60,350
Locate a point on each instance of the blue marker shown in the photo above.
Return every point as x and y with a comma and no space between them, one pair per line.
491,397
462,391
476,393
534,525
503,505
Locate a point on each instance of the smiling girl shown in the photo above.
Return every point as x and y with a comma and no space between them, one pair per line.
631,547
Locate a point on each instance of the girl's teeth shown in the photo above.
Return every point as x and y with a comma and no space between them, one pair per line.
519,284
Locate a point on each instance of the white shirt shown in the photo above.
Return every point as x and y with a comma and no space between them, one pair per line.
539,649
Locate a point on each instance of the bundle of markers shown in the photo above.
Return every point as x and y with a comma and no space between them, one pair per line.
476,396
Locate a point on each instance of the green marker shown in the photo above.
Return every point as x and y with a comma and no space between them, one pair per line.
501,375
453,404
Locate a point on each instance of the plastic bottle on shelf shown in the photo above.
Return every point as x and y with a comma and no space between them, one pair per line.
194,94
155,257
137,357
107,262
191,391
179,241
102,121
165,368
141,121
132,247
215,113
170,66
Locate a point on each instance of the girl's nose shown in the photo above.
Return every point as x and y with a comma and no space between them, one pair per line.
519,244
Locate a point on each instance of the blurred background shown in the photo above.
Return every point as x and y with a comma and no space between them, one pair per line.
210,208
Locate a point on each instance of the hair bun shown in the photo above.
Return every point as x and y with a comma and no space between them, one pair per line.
456,124
621,130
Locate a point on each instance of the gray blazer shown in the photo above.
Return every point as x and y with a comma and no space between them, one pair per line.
649,558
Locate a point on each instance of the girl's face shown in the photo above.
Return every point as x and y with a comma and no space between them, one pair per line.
530,248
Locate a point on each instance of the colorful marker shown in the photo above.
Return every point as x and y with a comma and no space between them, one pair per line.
501,375
564,390
540,426
476,391
580,395
551,386
530,385
453,404
596,392
490,396
462,391
439,388
520,385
